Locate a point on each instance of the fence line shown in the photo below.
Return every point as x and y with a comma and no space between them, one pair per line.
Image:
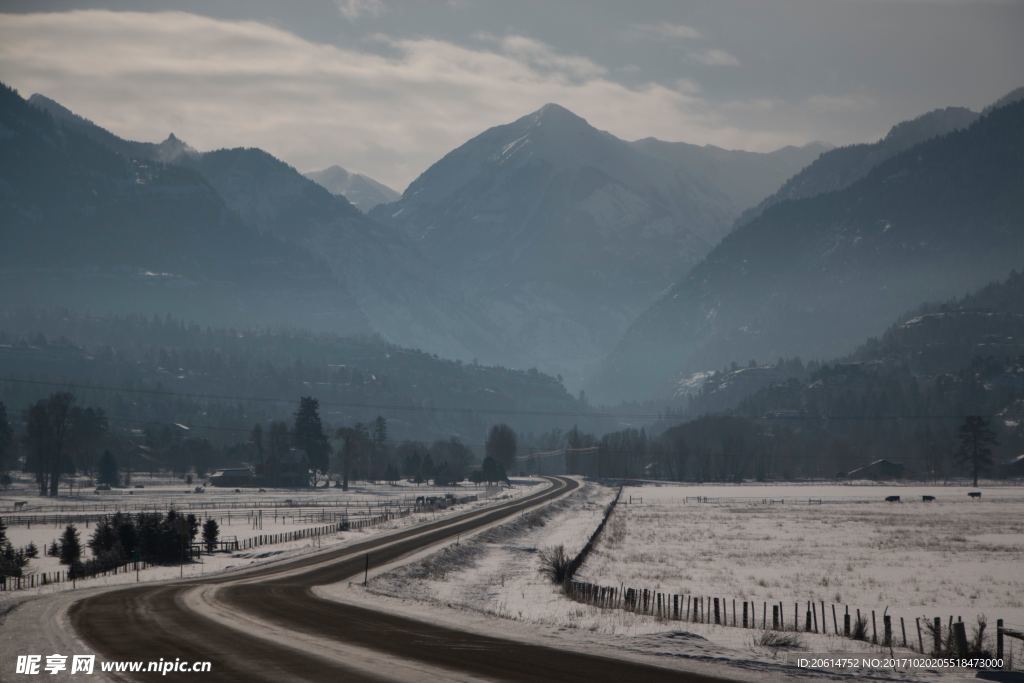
577,562
935,638
34,580
125,504
709,609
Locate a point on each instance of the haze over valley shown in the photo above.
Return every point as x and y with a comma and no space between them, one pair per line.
577,341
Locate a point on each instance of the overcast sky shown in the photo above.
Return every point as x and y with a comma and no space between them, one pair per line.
386,87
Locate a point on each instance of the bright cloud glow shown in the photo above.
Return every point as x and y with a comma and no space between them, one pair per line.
384,107
716,57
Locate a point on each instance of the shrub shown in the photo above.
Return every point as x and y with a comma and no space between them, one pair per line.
554,564
860,629
779,640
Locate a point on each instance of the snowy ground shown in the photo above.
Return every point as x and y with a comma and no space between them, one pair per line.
36,621
492,582
239,522
160,492
954,556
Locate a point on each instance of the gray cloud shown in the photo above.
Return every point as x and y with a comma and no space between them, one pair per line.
387,86
388,113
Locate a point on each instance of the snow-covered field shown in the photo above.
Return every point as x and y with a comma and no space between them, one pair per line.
237,514
495,572
955,556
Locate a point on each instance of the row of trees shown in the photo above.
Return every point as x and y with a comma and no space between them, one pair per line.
734,448
148,536
61,437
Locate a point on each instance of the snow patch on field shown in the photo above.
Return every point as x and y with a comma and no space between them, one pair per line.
954,556
233,522
669,544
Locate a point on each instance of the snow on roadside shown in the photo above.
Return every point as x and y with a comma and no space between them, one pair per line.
36,621
20,535
491,584
496,571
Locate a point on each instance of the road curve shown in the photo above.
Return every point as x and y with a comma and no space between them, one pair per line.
153,622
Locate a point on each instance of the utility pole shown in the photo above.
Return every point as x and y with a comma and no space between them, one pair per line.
366,570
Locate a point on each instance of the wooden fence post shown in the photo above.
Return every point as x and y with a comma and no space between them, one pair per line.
920,641
775,617
903,629
716,612
835,624
938,635
744,614
887,630
999,638
960,639
846,622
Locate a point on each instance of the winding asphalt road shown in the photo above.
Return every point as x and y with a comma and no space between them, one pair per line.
152,622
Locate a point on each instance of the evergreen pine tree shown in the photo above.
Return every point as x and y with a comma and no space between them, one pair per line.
308,434
210,534
70,546
107,470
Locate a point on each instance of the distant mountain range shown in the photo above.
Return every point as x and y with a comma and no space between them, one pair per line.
558,233
375,268
363,191
810,275
535,244
844,166
87,227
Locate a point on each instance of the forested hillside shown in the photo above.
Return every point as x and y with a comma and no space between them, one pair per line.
230,379
810,277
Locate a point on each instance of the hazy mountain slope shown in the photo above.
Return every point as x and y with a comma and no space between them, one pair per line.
363,191
1015,95
85,226
355,378
811,276
559,232
167,151
843,166
744,178
945,337
936,365
396,288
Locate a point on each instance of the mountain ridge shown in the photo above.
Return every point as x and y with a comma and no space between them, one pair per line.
934,220
559,231
363,191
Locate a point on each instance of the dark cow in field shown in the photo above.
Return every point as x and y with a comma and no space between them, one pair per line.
927,499
892,499
974,494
